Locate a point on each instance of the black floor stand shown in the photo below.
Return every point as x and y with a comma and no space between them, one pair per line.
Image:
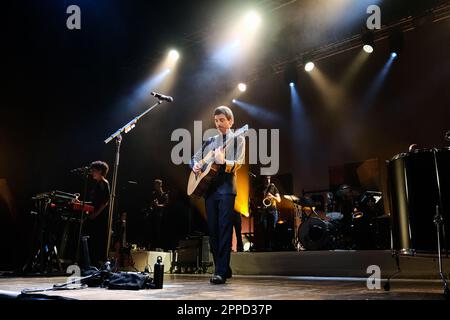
45,261
439,221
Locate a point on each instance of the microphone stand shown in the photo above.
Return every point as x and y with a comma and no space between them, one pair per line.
117,136
251,222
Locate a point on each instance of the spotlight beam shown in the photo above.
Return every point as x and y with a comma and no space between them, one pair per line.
260,112
302,145
378,82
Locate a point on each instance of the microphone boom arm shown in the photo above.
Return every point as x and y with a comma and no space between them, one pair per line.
130,125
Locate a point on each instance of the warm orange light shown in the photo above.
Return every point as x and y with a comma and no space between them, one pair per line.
242,185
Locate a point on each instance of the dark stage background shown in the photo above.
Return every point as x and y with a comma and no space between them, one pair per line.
65,91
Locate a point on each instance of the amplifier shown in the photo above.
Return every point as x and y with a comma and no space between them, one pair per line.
193,254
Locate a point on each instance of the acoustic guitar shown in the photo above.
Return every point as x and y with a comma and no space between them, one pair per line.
199,182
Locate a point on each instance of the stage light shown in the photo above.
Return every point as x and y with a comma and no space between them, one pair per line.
309,66
368,48
242,87
291,84
174,55
368,42
252,20
394,55
234,100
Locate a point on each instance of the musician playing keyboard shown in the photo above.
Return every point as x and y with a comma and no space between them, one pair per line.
219,198
96,226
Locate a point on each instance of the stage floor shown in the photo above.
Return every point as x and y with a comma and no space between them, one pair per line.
197,287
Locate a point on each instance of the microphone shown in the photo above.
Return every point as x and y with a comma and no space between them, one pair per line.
79,170
162,97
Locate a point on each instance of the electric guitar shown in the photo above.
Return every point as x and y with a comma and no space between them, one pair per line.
199,182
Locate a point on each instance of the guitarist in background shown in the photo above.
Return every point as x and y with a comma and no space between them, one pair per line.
159,202
219,198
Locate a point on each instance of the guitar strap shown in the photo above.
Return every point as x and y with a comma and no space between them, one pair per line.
205,144
234,146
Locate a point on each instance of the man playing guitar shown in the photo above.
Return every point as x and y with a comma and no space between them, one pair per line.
220,196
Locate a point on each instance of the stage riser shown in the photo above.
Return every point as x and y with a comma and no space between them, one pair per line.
315,263
334,264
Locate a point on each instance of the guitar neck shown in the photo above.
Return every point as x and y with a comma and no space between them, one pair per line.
230,140
227,142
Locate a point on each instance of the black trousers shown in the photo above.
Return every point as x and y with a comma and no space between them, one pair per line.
269,219
220,211
237,224
157,229
97,230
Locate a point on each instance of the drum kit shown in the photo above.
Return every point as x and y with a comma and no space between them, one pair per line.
345,220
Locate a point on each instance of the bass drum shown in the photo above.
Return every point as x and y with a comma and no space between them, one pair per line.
317,234
414,191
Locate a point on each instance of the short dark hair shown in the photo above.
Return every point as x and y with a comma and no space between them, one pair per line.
225,111
100,166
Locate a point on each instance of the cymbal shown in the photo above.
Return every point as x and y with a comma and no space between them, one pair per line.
304,202
292,198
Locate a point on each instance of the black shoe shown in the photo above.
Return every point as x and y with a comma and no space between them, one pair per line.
229,274
216,279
